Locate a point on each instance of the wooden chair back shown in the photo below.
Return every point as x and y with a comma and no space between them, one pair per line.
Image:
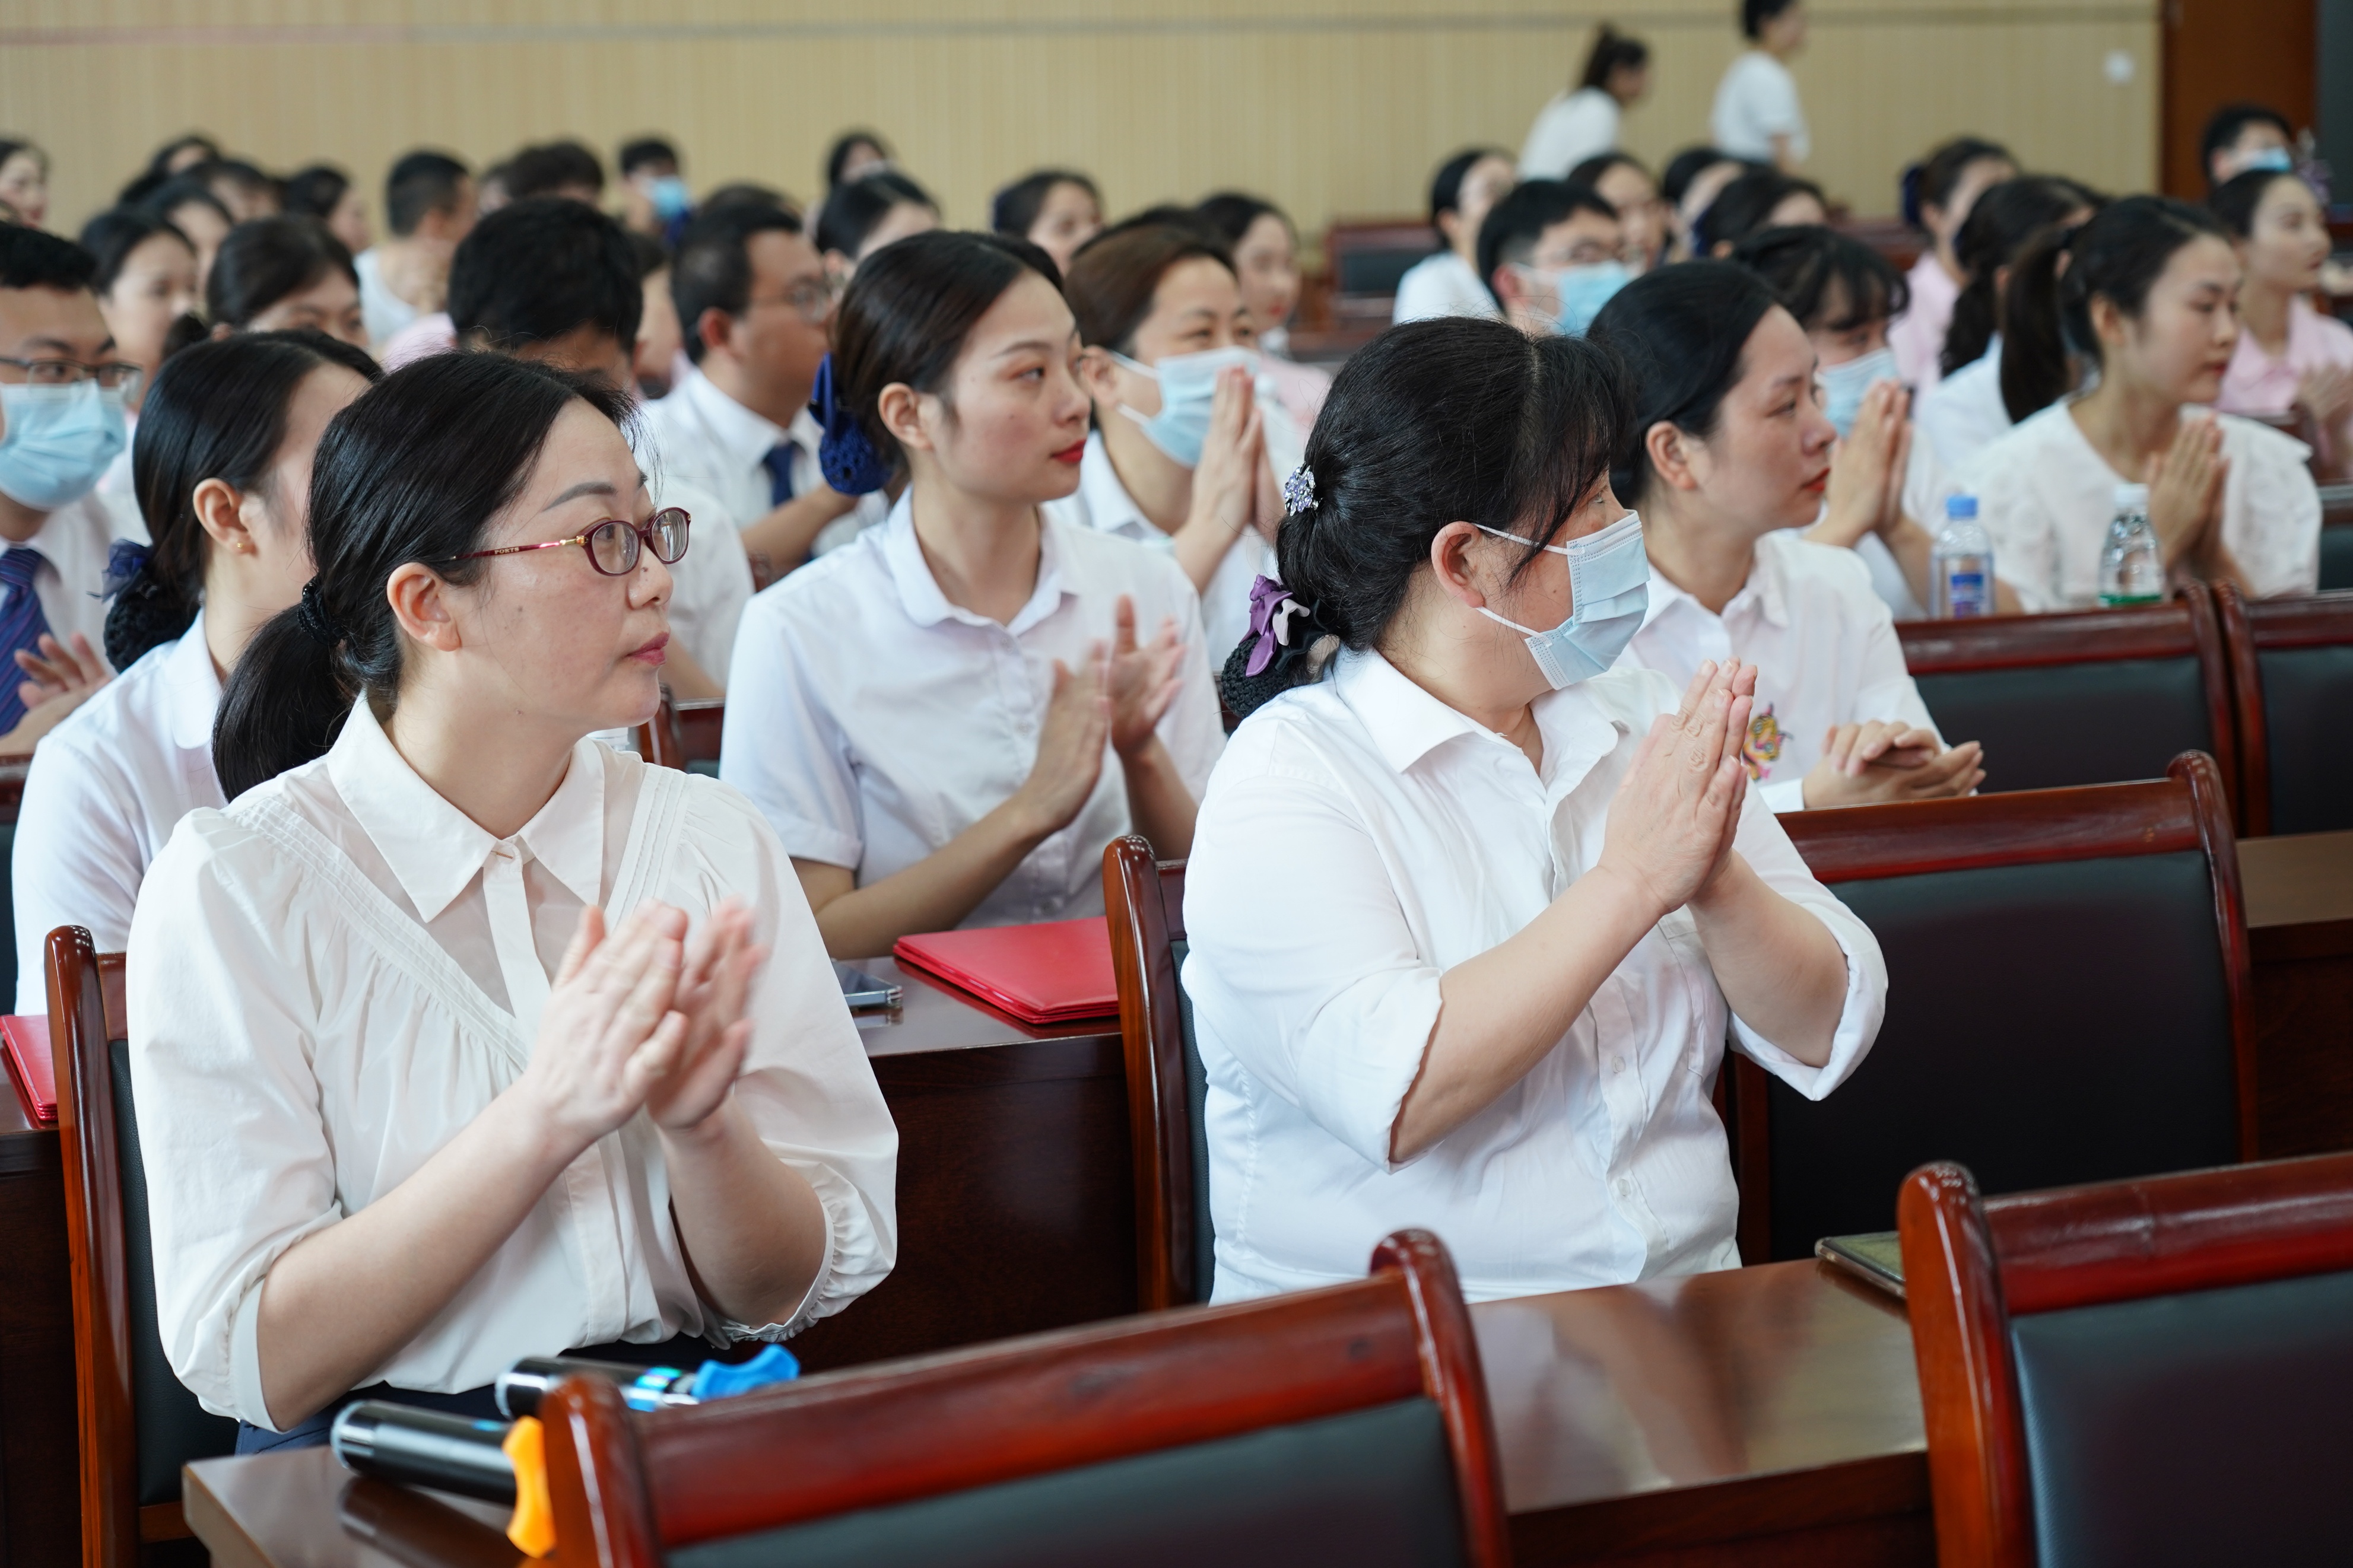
1367,257
1014,1443
2292,683
684,733
2068,1001
13,771
2083,697
137,1424
2336,537
1145,899
2141,1372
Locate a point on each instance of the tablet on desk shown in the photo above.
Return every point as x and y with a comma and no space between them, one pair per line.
863,991
1874,1257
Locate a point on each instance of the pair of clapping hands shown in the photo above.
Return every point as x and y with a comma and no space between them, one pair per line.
59,679
1118,693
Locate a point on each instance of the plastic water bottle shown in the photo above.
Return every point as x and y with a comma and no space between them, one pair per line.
2132,569
1961,566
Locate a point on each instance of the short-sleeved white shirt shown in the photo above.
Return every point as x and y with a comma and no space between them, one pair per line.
703,437
1963,415
1756,102
872,721
1568,129
1442,285
1360,838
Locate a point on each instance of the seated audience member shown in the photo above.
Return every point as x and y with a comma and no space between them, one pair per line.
1177,459
1470,911
186,205
2143,292
1730,452
1550,253
223,464
146,286
1465,189
1937,195
1581,125
948,721
25,180
1266,263
1057,210
655,200
326,193
1759,199
748,192
470,1125
173,159
1693,178
244,190
2290,357
1617,178
555,280
2240,137
1963,411
660,348
274,274
1757,115
564,169
753,303
863,216
428,208
854,155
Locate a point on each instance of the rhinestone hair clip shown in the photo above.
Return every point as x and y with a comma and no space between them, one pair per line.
1299,491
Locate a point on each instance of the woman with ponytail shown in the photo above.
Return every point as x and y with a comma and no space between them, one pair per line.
1938,194
222,471
2144,294
1469,909
948,720
408,1113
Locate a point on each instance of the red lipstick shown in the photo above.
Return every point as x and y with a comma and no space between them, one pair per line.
654,652
1072,454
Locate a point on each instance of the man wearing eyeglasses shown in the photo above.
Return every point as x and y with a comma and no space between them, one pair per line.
62,392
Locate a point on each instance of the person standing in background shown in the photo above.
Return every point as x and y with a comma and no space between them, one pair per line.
1938,196
428,207
1583,124
1465,189
1757,115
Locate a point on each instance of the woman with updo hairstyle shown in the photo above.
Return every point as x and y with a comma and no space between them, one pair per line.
222,469
1471,910
863,216
947,720
274,273
409,1112
1057,210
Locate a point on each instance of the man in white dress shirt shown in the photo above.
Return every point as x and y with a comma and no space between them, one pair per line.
753,301
428,207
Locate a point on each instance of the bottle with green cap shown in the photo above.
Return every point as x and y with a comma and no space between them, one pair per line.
2131,568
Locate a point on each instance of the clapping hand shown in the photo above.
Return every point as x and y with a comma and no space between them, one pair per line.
1672,821
1143,680
2185,491
1881,760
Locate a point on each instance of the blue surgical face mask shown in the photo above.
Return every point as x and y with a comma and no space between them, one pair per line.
1845,384
1609,590
58,442
670,198
1188,386
2275,159
1582,291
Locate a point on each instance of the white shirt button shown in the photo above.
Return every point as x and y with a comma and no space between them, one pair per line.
1617,1064
1624,1186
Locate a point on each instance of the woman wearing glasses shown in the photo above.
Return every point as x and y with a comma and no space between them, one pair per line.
410,1107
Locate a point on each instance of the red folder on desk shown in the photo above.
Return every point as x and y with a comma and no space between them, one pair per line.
1051,973
25,1043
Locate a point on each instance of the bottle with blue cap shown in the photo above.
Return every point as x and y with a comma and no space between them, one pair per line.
2132,567
1960,568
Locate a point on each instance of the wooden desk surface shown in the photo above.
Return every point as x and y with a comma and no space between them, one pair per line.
1691,1414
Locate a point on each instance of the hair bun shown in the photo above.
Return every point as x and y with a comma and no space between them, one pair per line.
845,455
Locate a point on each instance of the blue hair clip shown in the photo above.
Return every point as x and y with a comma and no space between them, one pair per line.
846,458
125,562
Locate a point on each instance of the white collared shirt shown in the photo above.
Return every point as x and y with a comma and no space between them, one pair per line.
1757,100
872,721
1103,503
706,439
1823,644
1571,128
1442,285
383,311
331,977
74,543
106,789
2046,498
1359,839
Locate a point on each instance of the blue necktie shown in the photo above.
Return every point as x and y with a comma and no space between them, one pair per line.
22,626
778,461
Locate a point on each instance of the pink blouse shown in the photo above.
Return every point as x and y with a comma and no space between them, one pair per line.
2257,383
1918,335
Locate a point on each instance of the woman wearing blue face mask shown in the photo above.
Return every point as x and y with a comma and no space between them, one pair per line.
1181,453
1731,453
1469,920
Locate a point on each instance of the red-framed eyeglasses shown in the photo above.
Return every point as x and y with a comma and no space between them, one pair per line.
613,545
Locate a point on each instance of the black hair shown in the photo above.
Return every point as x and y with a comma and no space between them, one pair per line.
649,254
2004,219
2046,311
1755,14
265,260
636,153
1446,185
160,165
413,470
544,169
114,234
1232,212
1013,211
747,192
1747,204
1931,181
855,210
713,268
538,268
315,192
420,183
1682,332
2234,201
34,258
1168,215
1432,423
848,141
2226,124
1802,264
217,411
12,145
1613,51
1115,276
1688,165
1515,223
1590,172
180,191
237,172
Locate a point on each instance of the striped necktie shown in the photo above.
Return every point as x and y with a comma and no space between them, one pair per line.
22,626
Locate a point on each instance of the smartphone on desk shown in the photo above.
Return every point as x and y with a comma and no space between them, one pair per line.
863,991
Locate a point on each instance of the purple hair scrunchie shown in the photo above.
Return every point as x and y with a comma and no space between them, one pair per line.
1271,610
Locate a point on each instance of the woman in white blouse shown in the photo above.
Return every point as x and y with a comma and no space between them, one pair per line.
1576,126
1732,453
1757,114
1447,283
222,467
1469,915
408,1111
2143,293
946,722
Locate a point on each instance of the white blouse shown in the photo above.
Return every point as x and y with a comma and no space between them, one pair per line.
1571,128
1963,414
106,789
2046,498
1359,839
331,977
872,721
1442,285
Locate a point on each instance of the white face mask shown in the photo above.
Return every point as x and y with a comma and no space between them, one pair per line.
1845,384
1609,593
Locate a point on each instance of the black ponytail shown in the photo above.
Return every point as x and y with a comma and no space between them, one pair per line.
2000,224
1430,423
416,470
